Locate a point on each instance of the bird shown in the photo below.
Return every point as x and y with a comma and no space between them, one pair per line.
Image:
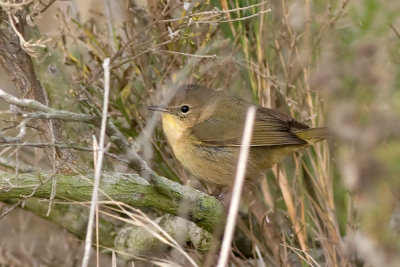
204,128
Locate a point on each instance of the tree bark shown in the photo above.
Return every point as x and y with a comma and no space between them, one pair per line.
19,65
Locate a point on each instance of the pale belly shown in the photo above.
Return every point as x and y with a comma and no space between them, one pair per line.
218,164
213,164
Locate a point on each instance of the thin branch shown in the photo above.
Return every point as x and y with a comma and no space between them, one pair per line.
185,54
22,131
48,112
395,30
116,55
48,5
216,13
10,209
27,46
99,163
233,20
237,188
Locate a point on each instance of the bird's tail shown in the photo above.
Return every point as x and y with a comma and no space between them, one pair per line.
313,135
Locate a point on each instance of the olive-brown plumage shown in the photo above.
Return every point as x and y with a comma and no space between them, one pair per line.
204,128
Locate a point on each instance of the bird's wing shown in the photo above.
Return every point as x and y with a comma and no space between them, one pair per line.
271,128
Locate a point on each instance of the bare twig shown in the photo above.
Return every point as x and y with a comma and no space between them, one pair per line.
100,154
117,55
47,6
237,188
216,13
21,134
10,209
28,46
233,20
48,112
59,114
394,30
185,54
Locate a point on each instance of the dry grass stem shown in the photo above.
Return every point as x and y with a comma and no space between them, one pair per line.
237,187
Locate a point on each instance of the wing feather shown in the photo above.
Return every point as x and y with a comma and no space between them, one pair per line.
271,128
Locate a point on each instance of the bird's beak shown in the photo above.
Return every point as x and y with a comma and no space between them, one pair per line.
159,108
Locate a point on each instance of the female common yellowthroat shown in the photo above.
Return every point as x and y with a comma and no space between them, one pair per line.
204,128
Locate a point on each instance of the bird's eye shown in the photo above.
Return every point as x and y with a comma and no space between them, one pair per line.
185,109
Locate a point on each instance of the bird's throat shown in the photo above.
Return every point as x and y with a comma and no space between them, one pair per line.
174,129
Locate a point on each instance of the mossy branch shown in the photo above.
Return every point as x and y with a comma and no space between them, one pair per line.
168,196
127,239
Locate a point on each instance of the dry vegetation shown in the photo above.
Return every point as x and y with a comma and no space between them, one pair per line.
334,64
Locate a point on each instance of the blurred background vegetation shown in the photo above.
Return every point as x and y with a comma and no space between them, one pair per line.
327,63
